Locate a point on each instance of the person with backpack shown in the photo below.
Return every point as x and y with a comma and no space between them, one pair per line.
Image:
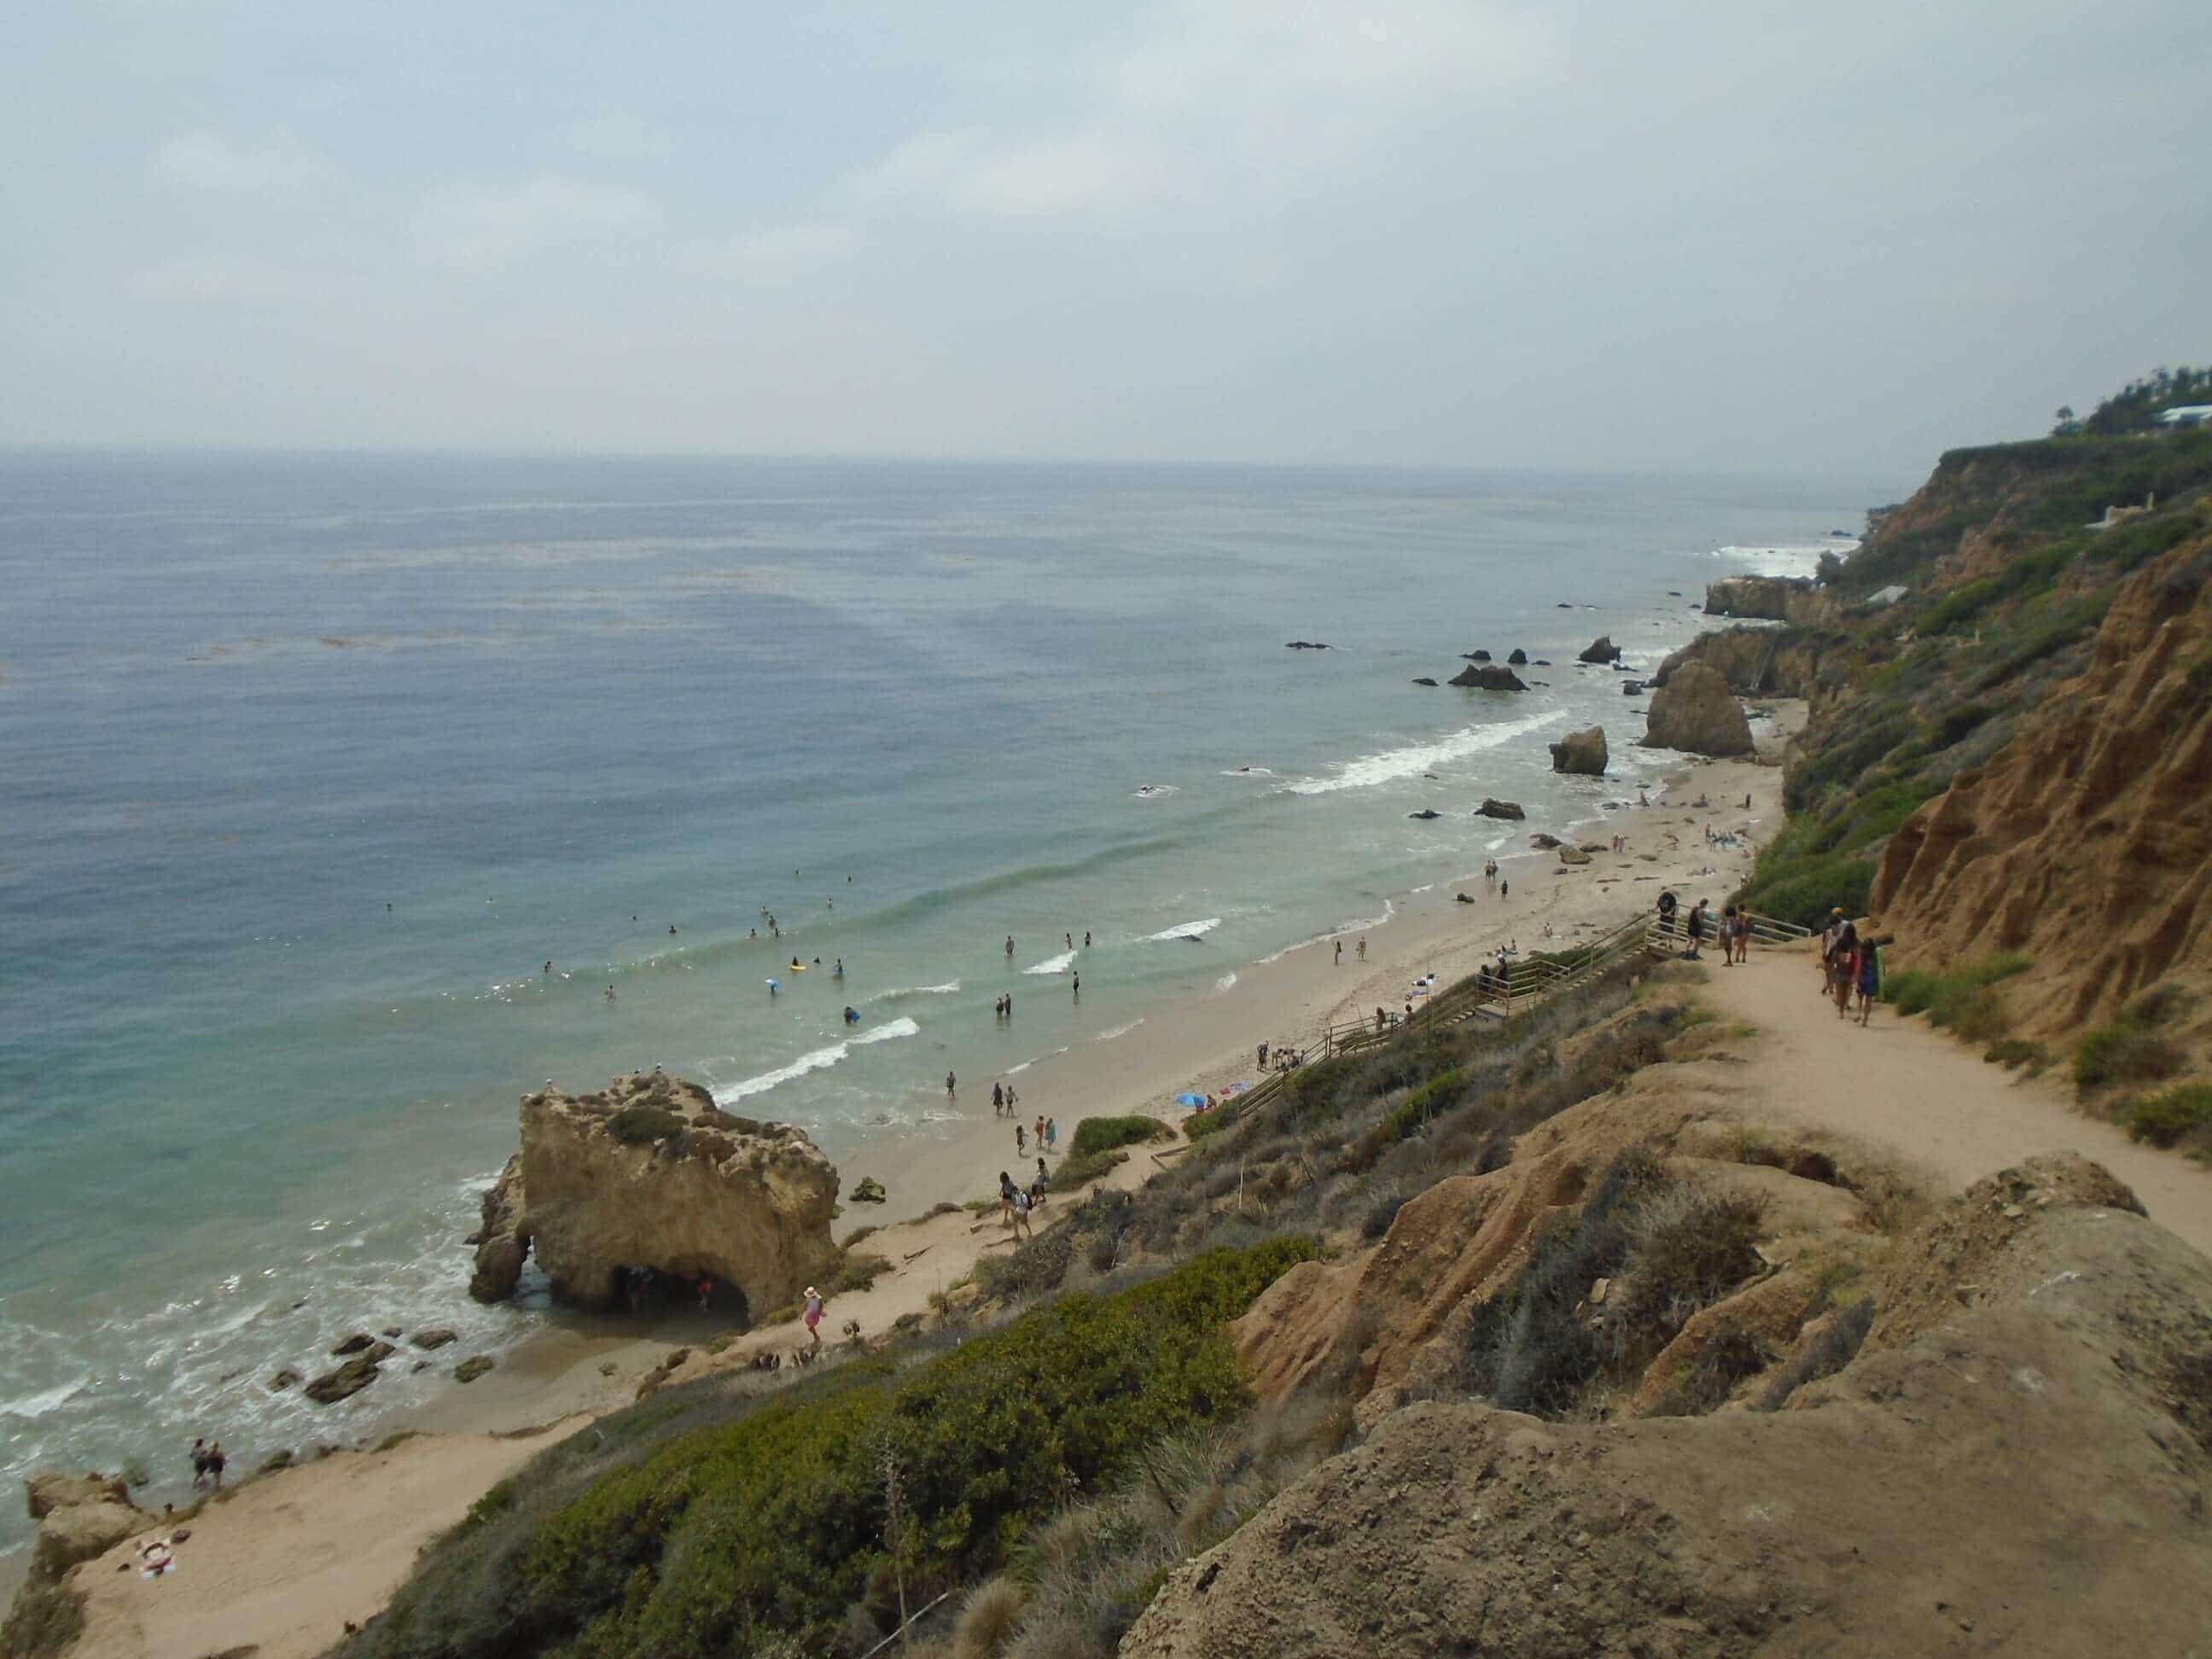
1843,967
1867,972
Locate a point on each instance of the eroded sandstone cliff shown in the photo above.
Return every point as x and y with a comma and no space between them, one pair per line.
649,1174
2085,842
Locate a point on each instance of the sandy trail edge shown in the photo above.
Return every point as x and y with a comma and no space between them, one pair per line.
1901,1084
282,1567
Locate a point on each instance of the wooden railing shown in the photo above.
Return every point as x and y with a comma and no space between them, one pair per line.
1523,985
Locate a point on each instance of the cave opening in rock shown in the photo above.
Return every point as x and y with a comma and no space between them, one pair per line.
656,1290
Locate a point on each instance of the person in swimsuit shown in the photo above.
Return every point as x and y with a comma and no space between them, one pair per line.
998,1100
814,1314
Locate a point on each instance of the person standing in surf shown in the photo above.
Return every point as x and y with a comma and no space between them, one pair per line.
949,1086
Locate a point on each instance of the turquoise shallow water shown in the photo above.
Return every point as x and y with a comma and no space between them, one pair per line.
308,766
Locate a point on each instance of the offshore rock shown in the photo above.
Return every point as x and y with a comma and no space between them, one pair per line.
1601,649
649,1174
1581,751
1519,657
1493,808
1695,711
1488,677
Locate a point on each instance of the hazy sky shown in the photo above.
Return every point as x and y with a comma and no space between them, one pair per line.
1819,235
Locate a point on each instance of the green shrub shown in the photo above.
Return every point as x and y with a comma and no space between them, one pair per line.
1101,1135
866,1190
1084,1167
2123,1052
859,1269
1804,890
2016,1051
773,1525
640,1126
1961,997
2164,1119
1687,1247
989,1618
1209,1123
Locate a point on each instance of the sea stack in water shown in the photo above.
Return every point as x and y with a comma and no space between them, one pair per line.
1488,677
1764,598
1696,711
1601,649
1581,751
649,1174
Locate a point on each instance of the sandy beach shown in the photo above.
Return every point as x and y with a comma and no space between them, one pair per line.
329,1541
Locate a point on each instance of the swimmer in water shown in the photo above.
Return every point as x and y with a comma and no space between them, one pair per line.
611,994
838,972
549,965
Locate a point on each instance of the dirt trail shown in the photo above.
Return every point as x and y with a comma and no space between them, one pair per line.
1902,1085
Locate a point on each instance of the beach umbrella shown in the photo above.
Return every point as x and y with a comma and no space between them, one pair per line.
1188,1099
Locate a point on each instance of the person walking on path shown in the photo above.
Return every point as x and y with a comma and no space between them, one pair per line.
1697,930
1006,1199
1040,1131
1868,972
1052,1134
1021,1140
814,1314
1022,1214
1842,968
1337,961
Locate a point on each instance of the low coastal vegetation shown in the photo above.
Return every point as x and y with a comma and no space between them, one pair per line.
1031,1465
1963,997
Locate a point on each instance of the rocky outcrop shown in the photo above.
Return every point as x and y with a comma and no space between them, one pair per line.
1493,808
1305,645
1756,662
349,1379
80,1517
1518,659
648,1173
1601,649
1488,677
2034,1382
1761,598
1695,711
1583,752
1425,680
2086,842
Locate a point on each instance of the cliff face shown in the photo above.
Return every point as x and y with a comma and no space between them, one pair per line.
1756,662
649,1174
2087,840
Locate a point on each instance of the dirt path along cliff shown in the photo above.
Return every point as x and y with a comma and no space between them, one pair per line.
1902,1085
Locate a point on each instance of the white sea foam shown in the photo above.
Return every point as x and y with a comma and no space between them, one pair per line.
816,1059
905,991
1248,772
1359,924
1153,791
1118,1031
1026,1064
1788,558
1227,981
1186,930
1058,965
37,1405
1388,764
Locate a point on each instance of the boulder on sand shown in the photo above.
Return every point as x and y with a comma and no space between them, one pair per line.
1696,711
1601,649
648,1173
1540,840
1488,677
1573,855
1500,809
1583,752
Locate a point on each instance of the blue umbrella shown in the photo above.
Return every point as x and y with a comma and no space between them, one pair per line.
1190,1100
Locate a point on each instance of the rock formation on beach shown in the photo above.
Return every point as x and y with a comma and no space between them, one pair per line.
1695,711
1763,597
1601,649
1491,807
1581,751
1488,677
649,1174
1757,662
79,1517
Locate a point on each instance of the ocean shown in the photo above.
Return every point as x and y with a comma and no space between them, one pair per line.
310,765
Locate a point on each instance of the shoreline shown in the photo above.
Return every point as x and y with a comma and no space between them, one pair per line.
1201,1045
380,1503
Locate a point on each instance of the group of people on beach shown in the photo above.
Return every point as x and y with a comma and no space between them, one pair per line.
208,1462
